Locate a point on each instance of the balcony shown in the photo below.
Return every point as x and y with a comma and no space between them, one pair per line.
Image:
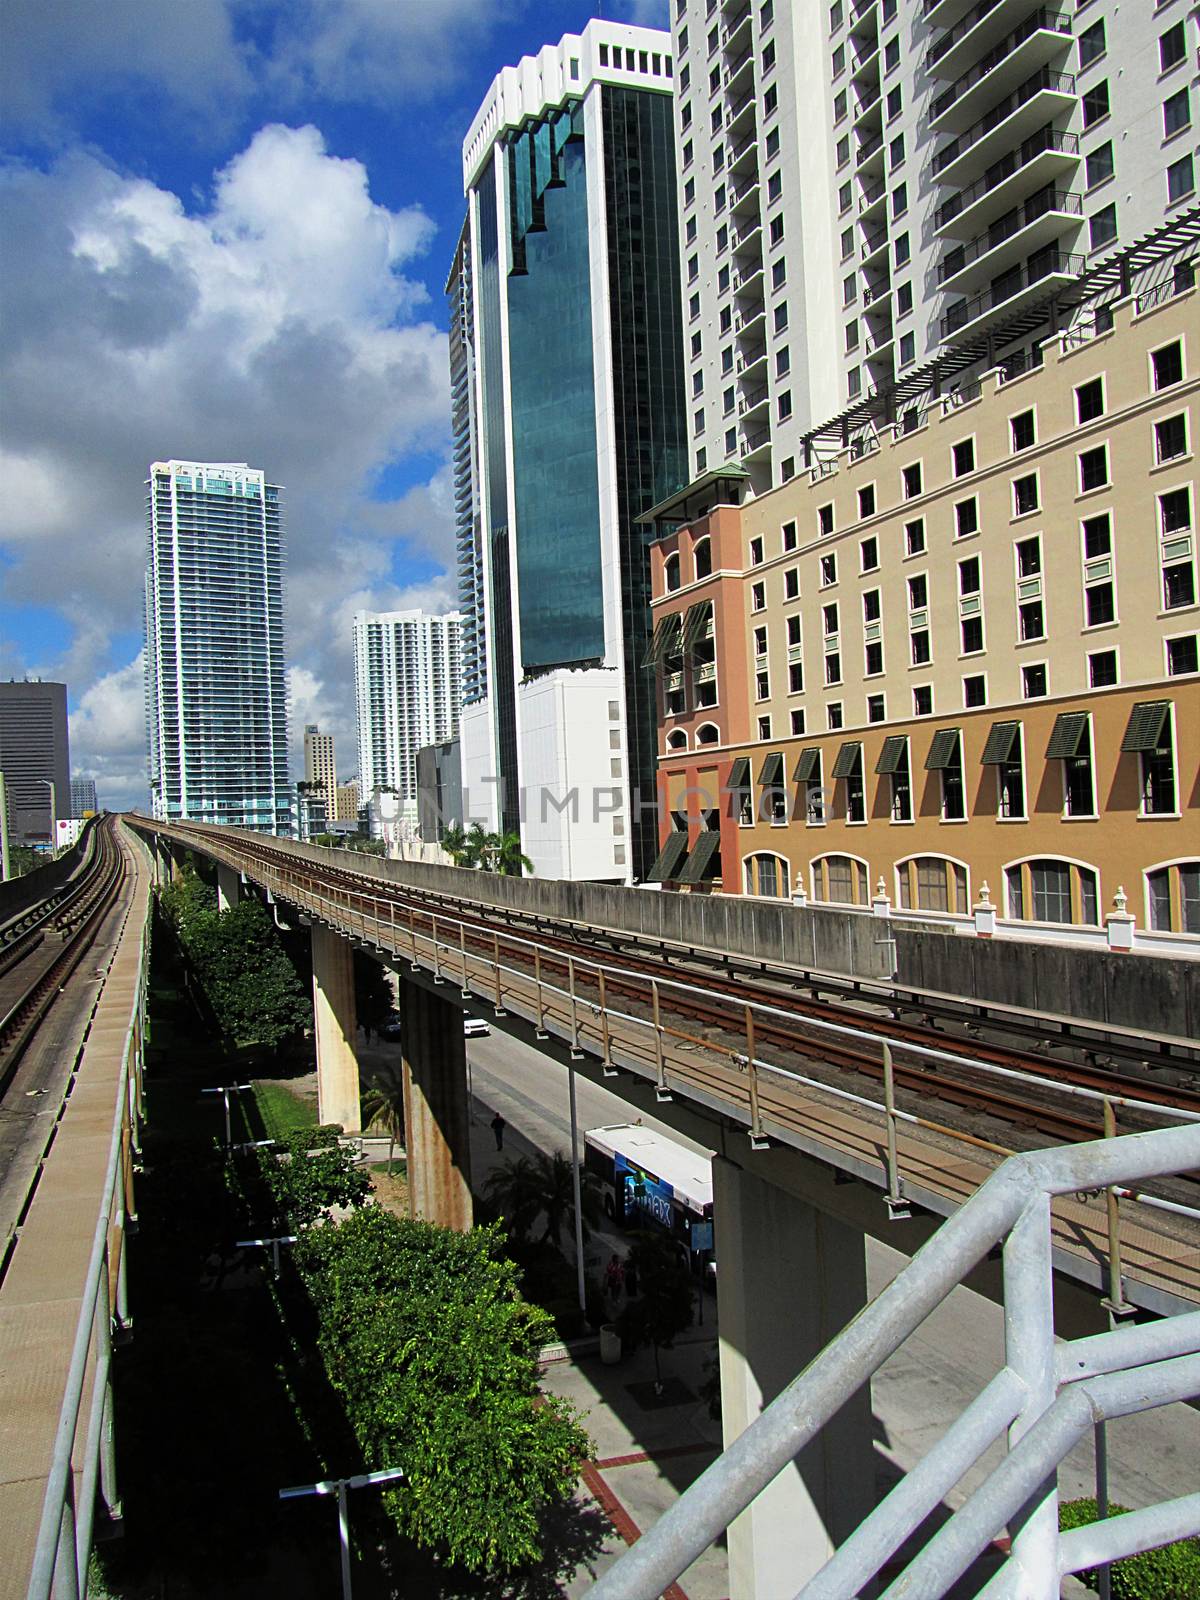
739,117
743,156
875,243
753,402
868,159
1038,161
877,295
866,103
734,76
1038,100
748,318
866,60
735,36
1040,221
872,195
1034,44
748,236
755,442
744,194
749,280
953,51
750,360
1041,274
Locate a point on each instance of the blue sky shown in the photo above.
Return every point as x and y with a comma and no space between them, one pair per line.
227,228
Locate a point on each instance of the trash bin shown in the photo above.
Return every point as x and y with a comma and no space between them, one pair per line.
610,1344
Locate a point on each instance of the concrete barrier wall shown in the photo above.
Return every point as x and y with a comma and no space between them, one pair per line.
19,894
1160,994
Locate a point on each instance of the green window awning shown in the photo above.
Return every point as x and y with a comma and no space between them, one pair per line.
1002,742
695,624
847,759
943,750
666,639
739,774
1068,737
707,849
770,774
670,858
894,754
1147,726
809,765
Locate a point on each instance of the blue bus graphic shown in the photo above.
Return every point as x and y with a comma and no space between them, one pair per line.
642,1192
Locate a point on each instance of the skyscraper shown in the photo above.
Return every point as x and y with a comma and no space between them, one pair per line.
567,280
34,756
83,796
216,707
320,766
883,198
407,685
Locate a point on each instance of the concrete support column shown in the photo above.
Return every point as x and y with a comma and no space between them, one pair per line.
436,1107
335,1021
790,1278
229,887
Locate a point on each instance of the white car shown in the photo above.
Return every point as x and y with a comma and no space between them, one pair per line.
473,1026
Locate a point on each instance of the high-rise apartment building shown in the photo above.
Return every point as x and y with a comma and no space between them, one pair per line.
34,757
880,197
408,686
216,706
83,796
464,431
320,766
565,297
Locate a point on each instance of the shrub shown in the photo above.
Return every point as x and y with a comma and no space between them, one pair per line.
1169,1573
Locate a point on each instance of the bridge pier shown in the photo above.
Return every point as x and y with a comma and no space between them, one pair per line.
436,1107
229,887
335,1020
791,1276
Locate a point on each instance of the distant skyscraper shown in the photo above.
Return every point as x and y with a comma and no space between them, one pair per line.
565,304
319,764
34,754
216,707
407,682
83,796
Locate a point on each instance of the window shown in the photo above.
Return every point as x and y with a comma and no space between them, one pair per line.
783,362
908,348
1179,586
766,876
896,152
698,420
945,757
1095,103
829,577
920,647
791,584
762,686
789,536
777,229
1025,495
1170,438
975,690
772,145
785,405
1023,430
756,552
697,345
779,273
876,708
797,723
963,457
911,479
774,187
914,537
1168,365
852,334
1102,669
796,677
1029,557
972,635
966,518
1091,44
825,520
923,701
1181,179
1149,736
918,592
874,658
671,572
1174,898
833,667
1003,751
833,715
1031,620
1089,400
1100,605
893,103
899,200
1034,684
866,500
1093,469
904,299
868,552
1172,47
1183,655
780,317
1052,891
702,558
697,383
758,597
760,641
1177,113
1071,743
849,769
840,879
1102,227
1097,536
902,251
1100,166
764,727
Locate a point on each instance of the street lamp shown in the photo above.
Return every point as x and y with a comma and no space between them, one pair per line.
49,783
338,1486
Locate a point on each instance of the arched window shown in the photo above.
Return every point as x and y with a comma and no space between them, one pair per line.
671,573
767,875
841,879
708,733
1049,890
932,883
1173,897
702,556
677,739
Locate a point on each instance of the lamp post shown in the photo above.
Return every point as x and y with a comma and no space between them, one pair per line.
338,1486
49,783
5,864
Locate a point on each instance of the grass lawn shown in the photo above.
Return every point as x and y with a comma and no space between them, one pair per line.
281,1110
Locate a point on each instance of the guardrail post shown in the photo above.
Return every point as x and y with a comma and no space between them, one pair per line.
462,946
758,1139
1029,1352
498,1005
661,1092
540,1031
576,1052
1115,1302
412,939
897,1205
605,1040
437,953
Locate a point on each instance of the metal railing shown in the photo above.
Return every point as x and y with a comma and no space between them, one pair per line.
1047,1397
64,1539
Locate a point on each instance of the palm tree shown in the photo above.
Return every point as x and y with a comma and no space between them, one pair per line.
454,843
536,1186
476,850
383,1103
515,1192
509,861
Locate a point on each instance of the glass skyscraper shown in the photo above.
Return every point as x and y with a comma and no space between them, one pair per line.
577,427
216,705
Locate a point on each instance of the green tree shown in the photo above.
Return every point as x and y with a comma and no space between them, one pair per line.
1171,1572
663,1308
507,857
309,1172
477,846
426,1338
454,843
529,1187
382,1104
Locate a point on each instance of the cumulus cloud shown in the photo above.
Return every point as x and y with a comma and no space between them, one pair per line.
108,736
277,327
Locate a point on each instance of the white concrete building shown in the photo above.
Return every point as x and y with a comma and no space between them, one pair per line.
407,688
869,185
565,300
216,702
320,764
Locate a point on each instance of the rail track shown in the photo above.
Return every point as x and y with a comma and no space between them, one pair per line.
47,945
708,1011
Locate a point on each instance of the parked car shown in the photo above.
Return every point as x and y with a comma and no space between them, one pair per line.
473,1026
390,1030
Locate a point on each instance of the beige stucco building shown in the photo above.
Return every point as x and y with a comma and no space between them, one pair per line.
963,652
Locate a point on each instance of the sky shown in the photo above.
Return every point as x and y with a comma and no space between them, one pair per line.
225,229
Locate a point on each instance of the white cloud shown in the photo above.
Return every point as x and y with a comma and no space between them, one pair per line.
108,737
278,328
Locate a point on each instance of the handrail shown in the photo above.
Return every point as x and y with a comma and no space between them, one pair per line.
1014,1203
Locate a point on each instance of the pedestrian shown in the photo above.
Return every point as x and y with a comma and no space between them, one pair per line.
498,1126
614,1279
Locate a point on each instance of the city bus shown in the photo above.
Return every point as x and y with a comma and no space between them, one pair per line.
646,1178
